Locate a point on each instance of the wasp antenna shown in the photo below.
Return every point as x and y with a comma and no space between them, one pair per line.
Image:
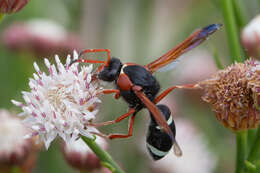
87,61
72,62
81,54
97,50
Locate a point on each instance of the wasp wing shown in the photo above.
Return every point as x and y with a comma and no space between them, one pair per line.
159,119
191,42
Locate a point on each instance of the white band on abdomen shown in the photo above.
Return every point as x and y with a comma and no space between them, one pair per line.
155,151
169,121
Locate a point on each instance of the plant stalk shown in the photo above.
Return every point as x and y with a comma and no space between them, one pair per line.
1,17
232,31
241,138
236,53
240,13
254,153
16,169
104,157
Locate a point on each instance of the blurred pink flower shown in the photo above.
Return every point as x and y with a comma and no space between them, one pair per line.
14,149
12,6
197,157
251,37
196,67
42,37
80,156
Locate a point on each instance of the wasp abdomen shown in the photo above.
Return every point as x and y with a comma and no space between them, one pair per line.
158,142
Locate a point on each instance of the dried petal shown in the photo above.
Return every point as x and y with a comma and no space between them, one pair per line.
12,6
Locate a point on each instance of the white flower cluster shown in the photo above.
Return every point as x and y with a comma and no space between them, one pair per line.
62,102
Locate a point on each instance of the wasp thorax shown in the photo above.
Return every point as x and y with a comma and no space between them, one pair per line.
234,95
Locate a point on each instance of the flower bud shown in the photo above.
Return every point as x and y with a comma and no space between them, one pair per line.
234,95
251,37
12,6
14,149
80,156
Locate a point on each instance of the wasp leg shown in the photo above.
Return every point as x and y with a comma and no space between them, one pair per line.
109,91
130,130
97,50
130,112
100,134
167,91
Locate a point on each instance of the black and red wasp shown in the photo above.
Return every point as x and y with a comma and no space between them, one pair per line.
139,88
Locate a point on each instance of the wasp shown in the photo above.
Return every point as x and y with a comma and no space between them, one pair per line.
139,88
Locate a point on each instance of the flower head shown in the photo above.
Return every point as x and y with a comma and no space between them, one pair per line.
61,102
80,156
234,94
12,6
14,149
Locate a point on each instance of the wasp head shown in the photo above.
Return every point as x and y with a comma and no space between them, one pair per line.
111,72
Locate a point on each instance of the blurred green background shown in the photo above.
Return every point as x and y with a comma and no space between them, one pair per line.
135,31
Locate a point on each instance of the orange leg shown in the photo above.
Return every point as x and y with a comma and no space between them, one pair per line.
130,130
167,91
130,112
110,91
93,61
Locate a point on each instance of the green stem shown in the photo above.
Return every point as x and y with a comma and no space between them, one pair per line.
251,137
233,22
104,157
16,169
1,17
240,13
254,153
217,60
83,171
241,150
232,31
241,18
250,166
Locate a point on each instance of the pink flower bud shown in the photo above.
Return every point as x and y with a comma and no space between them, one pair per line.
80,156
14,149
251,37
41,37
